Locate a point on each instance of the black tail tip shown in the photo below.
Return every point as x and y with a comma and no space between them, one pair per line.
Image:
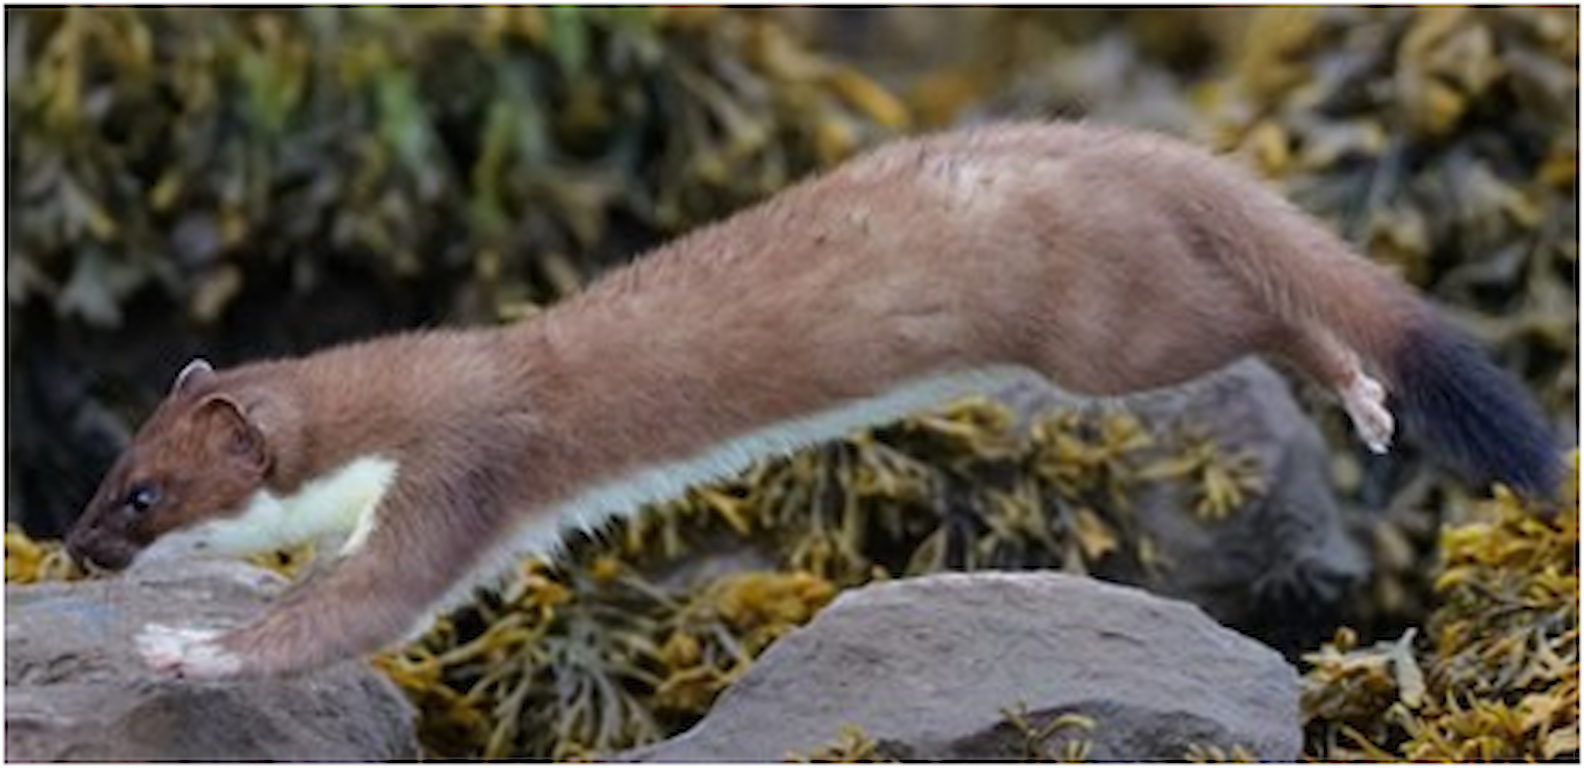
1462,408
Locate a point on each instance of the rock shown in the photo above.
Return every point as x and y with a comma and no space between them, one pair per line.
75,689
929,667
1280,567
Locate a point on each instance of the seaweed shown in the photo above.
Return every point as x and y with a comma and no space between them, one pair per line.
634,632
631,634
28,561
851,745
1141,68
1223,484
1037,738
1498,676
1442,142
243,184
1201,753
387,168
576,661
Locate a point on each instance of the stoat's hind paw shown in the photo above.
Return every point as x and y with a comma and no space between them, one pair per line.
186,652
1365,401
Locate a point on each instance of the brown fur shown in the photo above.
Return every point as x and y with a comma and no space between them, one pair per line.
1110,261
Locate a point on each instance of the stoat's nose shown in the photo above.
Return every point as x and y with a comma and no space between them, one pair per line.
93,550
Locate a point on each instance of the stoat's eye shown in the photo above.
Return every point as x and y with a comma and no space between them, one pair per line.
142,497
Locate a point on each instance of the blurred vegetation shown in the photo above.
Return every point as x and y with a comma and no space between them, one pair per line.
28,561
243,183
1445,142
1498,675
975,64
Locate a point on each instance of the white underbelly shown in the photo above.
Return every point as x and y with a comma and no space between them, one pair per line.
625,495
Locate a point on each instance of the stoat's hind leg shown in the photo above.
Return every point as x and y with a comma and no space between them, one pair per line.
1364,399
1331,363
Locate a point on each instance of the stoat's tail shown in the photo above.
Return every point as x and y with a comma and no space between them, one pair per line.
1451,399
1476,415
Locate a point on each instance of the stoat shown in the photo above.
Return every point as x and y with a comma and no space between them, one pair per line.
1106,261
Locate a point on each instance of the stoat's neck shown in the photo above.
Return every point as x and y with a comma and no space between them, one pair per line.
381,397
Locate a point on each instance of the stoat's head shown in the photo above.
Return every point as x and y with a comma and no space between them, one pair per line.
199,457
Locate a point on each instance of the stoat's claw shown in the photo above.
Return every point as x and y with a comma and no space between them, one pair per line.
1365,401
186,652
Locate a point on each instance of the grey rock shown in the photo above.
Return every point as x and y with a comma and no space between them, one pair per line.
928,667
75,689
1279,567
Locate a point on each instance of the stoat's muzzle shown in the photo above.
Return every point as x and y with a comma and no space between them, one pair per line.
96,548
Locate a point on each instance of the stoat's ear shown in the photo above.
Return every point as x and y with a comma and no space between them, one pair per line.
197,373
233,432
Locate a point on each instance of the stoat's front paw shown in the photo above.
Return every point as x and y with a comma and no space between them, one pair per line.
186,652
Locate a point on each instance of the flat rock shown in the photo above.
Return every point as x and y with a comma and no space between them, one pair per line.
929,668
75,689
